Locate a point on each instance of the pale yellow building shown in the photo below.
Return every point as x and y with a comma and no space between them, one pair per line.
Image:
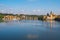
10,17
51,16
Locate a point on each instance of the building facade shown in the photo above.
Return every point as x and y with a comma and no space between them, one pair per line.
23,17
50,16
10,17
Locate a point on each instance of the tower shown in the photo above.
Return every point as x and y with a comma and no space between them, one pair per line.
51,12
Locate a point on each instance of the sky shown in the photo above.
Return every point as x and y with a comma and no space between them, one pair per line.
35,7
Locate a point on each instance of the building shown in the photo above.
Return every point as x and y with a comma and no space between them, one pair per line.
50,16
31,17
10,17
20,17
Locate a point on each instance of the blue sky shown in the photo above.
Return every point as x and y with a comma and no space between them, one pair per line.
37,7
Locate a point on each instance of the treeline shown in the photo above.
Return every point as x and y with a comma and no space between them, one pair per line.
40,17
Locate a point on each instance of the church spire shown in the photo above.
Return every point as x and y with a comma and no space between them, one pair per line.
51,12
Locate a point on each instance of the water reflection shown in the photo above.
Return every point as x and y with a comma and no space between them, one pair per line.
30,29
51,24
32,36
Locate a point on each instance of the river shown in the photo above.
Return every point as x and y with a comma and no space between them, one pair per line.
30,30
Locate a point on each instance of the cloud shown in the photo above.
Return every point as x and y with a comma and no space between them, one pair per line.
22,10
37,10
34,10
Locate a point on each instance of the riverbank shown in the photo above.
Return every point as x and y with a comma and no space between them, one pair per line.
29,17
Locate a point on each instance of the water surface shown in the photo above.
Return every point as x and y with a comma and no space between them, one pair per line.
30,30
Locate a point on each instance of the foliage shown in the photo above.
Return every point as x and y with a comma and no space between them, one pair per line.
40,17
